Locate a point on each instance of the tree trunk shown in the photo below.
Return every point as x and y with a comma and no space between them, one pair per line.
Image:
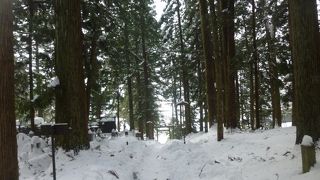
71,104
141,121
175,95
237,103
185,80
228,50
256,68
8,143
252,112
201,116
200,82
126,20
306,55
98,106
251,82
209,63
206,128
273,73
40,110
147,91
30,38
92,72
294,116
130,99
140,96
242,105
218,68
201,77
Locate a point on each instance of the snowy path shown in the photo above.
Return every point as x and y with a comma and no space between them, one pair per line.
152,165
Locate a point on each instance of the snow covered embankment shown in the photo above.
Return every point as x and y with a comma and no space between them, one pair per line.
268,155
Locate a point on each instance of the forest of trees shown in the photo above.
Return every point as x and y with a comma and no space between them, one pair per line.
238,63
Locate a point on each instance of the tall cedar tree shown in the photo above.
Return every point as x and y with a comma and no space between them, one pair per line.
146,75
92,65
8,143
219,65
185,80
126,33
228,55
273,72
70,94
202,95
208,54
294,116
129,78
30,38
255,67
305,49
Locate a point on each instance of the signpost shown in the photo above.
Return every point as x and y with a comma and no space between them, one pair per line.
53,130
183,123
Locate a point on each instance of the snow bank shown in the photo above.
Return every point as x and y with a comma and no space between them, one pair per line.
265,155
33,155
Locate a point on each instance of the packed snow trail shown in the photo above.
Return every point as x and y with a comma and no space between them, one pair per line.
152,165
262,155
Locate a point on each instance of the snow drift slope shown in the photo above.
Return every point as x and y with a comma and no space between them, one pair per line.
268,155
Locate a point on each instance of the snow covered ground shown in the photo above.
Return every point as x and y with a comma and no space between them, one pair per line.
260,155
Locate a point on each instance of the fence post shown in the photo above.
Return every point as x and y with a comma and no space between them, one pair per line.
308,153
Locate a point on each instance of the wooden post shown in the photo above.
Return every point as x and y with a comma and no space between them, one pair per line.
308,155
157,134
53,130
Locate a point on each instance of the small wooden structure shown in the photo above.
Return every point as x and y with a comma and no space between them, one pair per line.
107,124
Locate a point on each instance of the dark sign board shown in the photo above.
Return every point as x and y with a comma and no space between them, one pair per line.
55,129
52,130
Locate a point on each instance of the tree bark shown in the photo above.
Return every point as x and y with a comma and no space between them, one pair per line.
256,68
306,55
175,95
215,51
185,80
251,82
141,121
40,110
209,63
8,142
274,81
217,32
71,104
237,96
147,91
129,77
228,50
252,112
294,116
138,99
30,38
92,72
200,80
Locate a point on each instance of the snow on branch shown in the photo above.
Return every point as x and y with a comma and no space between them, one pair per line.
54,83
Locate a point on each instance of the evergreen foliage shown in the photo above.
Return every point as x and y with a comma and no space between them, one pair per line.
128,55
